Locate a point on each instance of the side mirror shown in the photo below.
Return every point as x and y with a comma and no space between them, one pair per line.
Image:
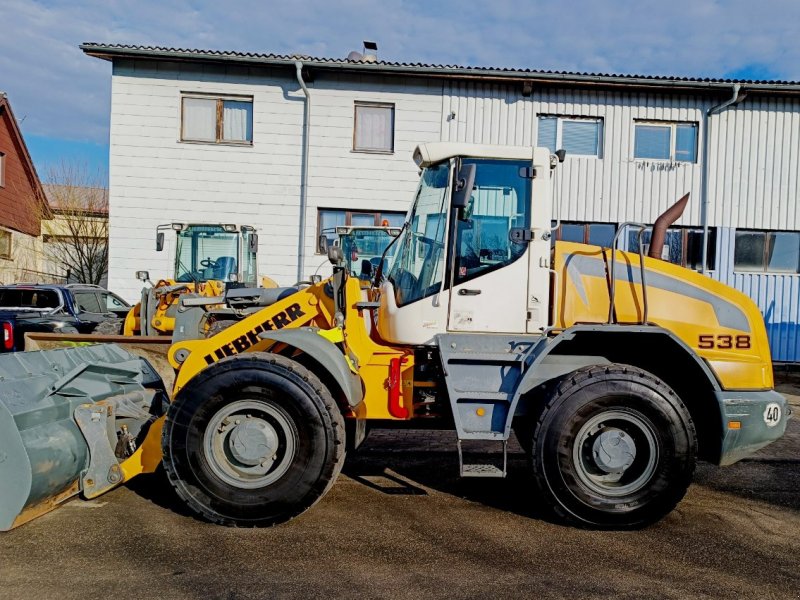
143,275
561,154
322,244
253,244
462,188
159,241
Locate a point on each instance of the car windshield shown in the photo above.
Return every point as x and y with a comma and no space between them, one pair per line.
206,252
418,267
29,299
363,248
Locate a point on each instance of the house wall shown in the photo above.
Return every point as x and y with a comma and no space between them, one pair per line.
26,262
156,179
752,172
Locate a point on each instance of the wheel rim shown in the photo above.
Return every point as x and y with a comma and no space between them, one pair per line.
249,443
615,453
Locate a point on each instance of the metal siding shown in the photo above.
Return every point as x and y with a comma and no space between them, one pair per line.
753,165
777,296
611,188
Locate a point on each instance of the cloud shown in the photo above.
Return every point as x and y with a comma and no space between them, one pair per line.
64,94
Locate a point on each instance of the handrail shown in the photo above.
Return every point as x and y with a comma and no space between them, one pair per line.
614,245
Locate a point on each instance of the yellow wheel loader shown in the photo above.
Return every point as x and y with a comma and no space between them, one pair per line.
209,258
617,371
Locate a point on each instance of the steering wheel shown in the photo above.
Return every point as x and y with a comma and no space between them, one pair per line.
208,263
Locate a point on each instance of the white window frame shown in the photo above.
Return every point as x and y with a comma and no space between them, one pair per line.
387,105
673,139
2,169
559,128
220,98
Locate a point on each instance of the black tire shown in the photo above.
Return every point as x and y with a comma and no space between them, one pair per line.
280,385
110,327
612,400
219,325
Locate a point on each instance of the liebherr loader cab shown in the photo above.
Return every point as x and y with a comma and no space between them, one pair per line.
214,253
617,371
208,259
481,264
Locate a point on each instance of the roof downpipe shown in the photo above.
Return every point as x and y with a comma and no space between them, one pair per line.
737,95
301,238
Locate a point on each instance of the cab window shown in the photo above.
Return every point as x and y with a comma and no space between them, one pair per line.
111,302
500,201
87,302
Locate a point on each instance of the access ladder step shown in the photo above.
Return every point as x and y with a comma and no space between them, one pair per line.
482,469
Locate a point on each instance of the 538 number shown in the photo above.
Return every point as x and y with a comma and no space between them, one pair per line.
723,342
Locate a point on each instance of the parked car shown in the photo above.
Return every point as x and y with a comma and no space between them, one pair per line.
72,308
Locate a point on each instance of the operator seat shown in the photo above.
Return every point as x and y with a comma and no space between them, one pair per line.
225,265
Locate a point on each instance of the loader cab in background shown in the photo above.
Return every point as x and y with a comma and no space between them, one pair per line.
475,253
362,248
213,252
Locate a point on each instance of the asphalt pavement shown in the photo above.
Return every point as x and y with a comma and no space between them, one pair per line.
399,523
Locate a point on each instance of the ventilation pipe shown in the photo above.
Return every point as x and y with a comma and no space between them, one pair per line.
738,94
667,218
301,241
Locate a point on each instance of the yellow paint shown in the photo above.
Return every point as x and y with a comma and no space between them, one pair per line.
688,318
147,456
317,311
368,358
162,323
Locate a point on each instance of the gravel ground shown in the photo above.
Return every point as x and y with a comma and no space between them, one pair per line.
400,524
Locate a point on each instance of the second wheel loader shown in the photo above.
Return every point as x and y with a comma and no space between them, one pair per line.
618,371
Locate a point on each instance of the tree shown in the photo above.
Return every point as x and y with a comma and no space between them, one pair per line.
76,239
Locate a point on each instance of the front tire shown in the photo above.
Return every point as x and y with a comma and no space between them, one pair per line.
613,447
253,441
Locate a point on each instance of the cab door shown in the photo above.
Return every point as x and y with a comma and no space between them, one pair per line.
489,271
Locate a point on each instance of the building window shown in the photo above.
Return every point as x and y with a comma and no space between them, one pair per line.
661,140
2,169
596,234
373,129
217,120
329,219
578,136
683,246
767,251
5,244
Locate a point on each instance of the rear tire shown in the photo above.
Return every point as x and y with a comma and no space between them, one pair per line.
254,440
613,447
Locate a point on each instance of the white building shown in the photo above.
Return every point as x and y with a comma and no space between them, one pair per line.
209,136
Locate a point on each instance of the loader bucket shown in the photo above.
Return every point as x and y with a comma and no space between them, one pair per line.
153,348
44,453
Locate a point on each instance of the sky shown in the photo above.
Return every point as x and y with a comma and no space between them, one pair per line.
62,97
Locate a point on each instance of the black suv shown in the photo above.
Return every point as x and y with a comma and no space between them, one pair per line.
72,308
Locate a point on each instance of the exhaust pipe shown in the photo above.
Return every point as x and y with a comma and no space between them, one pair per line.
667,218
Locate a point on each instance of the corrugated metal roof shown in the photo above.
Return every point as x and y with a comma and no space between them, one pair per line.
111,51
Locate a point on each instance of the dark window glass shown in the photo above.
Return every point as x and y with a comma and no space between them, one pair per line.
652,141
87,302
686,142
602,234
20,298
572,232
500,200
748,252
783,254
694,249
682,246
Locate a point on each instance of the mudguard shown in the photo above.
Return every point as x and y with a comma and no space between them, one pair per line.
326,353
